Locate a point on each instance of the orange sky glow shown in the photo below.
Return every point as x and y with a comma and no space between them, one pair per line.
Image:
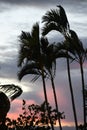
16,106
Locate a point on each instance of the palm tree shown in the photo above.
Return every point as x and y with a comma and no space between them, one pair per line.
69,78
52,52
14,92
75,46
56,19
30,53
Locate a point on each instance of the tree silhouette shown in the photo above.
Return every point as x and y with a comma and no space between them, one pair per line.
14,92
30,54
52,52
76,48
56,19
34,116
4,108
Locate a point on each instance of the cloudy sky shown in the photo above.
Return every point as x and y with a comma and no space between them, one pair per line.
18,15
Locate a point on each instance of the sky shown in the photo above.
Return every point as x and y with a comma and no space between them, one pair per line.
21,15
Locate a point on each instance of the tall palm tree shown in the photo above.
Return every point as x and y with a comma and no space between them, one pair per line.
76,47
65,47
30,53
56,19
52,52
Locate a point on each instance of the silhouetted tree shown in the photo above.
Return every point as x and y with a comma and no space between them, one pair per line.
56,19
30,54
13,91
52,52
36,115
76,48
4,108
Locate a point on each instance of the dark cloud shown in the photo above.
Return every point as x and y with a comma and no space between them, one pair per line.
29,2
42,3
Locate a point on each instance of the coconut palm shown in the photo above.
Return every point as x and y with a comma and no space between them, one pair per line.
56,19
30,53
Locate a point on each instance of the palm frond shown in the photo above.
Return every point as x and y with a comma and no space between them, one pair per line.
75,46
30,68
36,77
23,72
48,28
44,44
56,19
51,16
30,46
25,38
12,90
63,18
24,55
35,34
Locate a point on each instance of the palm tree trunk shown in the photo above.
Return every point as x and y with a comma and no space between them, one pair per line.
83,90
72,95
56,104
46,100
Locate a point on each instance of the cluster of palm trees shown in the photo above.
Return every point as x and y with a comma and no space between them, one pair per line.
38,57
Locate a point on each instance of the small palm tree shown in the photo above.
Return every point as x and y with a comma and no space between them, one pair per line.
14,92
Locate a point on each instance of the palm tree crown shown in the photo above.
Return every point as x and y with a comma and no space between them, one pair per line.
56,19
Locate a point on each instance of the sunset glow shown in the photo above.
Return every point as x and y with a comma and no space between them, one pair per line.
19,15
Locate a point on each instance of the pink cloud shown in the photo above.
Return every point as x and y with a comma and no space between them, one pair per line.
63,101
